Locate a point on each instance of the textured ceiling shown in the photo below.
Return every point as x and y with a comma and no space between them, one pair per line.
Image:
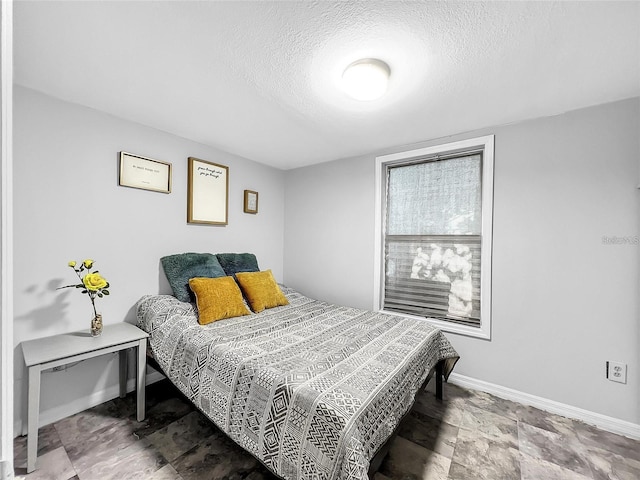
260,79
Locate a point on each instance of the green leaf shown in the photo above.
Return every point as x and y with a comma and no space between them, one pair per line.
100,295
84,291
106,292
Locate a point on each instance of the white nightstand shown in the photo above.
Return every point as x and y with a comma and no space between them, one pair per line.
50,352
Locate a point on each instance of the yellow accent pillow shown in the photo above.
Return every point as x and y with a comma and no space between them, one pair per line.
261,290
217,298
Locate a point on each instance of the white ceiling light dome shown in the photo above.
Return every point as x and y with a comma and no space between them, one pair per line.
366,79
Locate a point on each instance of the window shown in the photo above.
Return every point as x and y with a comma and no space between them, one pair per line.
434,223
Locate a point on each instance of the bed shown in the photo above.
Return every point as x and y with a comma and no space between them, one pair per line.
312,390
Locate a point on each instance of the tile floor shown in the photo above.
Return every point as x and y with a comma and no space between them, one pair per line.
470,435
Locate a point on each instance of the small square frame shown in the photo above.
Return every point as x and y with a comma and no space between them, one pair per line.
250,201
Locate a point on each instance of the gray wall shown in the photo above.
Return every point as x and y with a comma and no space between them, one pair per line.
563,301
68,205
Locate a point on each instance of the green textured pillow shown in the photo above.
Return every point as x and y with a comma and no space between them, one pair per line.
233,263
181,267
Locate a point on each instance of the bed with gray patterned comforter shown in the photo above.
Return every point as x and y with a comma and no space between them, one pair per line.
310,389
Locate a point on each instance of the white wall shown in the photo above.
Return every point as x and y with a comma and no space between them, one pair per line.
6,239
563,302
68,205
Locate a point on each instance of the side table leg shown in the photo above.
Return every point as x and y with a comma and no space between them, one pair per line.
142,371
122,360
32,418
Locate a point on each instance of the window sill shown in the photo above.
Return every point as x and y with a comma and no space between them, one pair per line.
481,332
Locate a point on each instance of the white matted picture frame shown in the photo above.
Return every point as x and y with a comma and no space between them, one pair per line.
207,192
250,201
145,173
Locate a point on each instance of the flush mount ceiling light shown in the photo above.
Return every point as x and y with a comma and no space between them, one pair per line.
366,79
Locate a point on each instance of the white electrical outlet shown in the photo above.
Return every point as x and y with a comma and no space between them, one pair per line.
617,372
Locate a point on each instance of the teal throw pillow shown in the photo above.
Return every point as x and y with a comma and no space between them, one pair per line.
233,263
181,267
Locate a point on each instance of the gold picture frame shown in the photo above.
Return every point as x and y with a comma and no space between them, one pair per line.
207,192
145,173
250,201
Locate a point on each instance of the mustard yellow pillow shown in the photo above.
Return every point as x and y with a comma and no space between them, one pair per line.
261,290
217,298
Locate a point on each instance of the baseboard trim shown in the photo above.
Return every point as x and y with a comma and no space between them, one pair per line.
610,424
52,415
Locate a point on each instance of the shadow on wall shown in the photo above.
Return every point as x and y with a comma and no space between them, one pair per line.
53,312
163,289
38,320
131,315
163,284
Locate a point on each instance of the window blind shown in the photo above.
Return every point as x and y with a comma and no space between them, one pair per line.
435,276
433,239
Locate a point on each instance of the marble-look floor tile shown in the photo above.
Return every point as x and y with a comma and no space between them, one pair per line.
546,421
219,458
495,427
487,457
430,433
125,407
407,460
442,410
468,436
53,465
163,414
137,461
160,391
48,440
101,445
379,476
607,466
451,394
76,428
593,437
460,472
493,404
537,469
564,451
165,473
182,435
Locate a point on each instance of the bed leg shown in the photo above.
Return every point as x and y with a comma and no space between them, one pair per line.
439,375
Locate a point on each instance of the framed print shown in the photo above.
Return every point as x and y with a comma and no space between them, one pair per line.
145,173
207,192
250,201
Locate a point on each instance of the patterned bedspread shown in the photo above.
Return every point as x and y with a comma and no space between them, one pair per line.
311,389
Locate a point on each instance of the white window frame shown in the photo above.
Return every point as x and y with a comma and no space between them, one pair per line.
486,144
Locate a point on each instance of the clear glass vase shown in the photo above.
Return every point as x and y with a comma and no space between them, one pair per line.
96,325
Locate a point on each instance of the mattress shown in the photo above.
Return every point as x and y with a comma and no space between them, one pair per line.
311,389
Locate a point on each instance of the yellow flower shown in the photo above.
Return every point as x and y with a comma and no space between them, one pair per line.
94,282
72,263
88,263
